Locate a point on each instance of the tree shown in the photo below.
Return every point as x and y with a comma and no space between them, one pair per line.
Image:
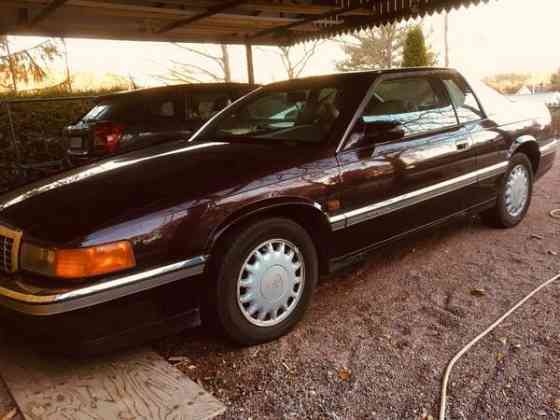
295,60
374,48
218,71
555,81
446,37
509,83
416,53
24,66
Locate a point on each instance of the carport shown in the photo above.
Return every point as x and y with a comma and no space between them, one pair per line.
249,23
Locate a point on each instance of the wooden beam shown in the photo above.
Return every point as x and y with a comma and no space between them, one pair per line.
46,12
211,11
250,65
280,29
274,7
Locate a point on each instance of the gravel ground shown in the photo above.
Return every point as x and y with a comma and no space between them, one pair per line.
377,338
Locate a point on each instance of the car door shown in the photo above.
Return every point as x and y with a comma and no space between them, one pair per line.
490,142
392,187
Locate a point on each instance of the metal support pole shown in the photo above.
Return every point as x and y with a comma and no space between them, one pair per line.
250,66
13,133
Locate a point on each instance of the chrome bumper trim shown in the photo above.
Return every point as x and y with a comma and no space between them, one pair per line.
549,148
381,208
45,302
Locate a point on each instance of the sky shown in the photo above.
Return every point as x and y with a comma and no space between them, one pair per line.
501,36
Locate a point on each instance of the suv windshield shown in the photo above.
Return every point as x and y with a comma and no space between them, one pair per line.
305,114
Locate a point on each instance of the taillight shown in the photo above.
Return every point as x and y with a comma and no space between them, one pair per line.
108,136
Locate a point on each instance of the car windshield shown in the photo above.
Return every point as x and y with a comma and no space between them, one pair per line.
305,114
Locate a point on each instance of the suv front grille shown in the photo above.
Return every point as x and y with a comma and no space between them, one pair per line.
9,249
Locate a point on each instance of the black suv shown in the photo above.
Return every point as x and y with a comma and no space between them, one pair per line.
132,120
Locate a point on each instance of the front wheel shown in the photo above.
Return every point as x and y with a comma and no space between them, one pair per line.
262,281
514,197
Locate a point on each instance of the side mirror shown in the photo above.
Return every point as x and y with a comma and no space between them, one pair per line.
382,131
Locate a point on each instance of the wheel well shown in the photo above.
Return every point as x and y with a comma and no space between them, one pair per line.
312,220
531,149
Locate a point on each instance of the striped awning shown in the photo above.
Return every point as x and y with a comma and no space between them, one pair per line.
256,22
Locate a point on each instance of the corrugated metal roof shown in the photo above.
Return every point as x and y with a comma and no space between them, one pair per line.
256,22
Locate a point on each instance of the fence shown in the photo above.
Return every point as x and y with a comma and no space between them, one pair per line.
31,142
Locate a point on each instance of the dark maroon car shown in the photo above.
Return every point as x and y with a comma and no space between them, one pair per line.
296,179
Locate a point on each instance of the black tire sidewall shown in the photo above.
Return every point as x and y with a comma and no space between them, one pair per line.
504,218
233,322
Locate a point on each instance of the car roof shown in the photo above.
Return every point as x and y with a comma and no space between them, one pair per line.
363,74
180,87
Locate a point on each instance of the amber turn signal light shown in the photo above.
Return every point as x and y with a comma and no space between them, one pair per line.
94,261
80,263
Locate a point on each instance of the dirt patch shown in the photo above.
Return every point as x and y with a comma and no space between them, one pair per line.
378,337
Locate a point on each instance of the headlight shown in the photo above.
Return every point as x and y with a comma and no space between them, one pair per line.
77,263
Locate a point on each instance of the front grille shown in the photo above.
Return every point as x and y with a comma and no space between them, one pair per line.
9,249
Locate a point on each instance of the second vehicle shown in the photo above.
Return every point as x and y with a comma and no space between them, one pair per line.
127,121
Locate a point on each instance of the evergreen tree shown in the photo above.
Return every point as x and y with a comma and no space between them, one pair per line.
374,48
416,53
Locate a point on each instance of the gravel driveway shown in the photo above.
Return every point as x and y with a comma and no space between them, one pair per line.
378,336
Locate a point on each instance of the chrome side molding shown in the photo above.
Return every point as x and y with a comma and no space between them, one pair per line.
549,148
381,208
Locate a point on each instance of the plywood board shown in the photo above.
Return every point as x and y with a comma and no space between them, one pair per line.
136,384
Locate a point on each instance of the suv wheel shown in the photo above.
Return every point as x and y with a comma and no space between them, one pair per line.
262,281
515,194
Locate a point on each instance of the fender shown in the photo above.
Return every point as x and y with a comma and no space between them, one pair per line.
265,206
521,141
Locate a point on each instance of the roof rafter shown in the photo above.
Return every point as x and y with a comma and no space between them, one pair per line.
314,18
46,12
211,11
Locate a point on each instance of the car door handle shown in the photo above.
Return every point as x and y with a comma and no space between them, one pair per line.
463,144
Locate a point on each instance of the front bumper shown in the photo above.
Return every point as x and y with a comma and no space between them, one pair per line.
18,295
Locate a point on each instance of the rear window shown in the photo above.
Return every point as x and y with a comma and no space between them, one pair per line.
99,112
122,109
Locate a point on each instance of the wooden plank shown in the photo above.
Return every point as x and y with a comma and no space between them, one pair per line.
279,29
47,11
130,385
211,11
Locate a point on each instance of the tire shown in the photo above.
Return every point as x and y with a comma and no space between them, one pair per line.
266,273
502,215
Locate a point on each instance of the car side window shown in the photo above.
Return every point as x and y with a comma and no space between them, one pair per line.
463,98
163,108
416,103
203,106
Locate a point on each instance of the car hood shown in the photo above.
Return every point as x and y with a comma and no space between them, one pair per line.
64,208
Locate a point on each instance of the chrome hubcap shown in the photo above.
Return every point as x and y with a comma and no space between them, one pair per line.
517,190
271,282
